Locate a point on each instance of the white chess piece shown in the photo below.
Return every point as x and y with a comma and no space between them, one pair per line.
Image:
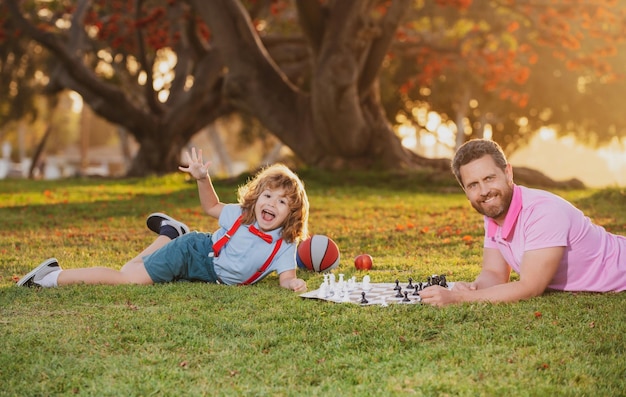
346,295
366,283
341,283
351,284
323,291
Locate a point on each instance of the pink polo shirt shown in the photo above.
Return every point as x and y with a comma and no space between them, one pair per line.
594,260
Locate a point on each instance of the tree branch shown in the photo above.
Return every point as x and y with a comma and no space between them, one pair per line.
252,81
381,44
312,21
147,65
84,80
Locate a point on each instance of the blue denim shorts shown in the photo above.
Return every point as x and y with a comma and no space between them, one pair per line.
184,258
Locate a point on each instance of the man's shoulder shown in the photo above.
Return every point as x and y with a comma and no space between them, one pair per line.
537,196
542,204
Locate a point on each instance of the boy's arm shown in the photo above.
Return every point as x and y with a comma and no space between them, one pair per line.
289,280
200,171
209,201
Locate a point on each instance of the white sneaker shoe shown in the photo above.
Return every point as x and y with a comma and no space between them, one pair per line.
46,267
155,221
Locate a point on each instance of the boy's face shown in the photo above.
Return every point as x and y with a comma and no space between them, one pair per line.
488,188
271,209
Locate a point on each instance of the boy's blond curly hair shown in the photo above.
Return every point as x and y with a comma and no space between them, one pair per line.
278,176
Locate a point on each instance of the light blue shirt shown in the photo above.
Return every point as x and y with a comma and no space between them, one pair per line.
245,252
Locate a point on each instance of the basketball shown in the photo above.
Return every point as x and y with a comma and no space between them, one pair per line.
318,253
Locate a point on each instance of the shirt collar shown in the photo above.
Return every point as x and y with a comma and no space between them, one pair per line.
276,233
511,216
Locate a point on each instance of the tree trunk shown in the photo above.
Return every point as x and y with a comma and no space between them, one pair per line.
340,123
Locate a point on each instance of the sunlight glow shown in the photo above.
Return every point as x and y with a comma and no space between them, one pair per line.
77,102
488,132
445,135
433,136
407,135
142,78
163,73
613,153
428,140
547,134
434,121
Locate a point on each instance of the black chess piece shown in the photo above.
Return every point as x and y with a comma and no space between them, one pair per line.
443,282
406,297
399,294
410,286
416,291
363,300
397,287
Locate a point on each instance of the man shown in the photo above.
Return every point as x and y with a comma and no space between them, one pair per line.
551,244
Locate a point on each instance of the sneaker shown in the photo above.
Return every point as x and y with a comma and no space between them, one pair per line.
157,219
41,271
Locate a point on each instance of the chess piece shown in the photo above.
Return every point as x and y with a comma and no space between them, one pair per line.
363,300
323,291
410,286
406,297
399,294
397,287
346,294
416,291
351,283
366,283
341,283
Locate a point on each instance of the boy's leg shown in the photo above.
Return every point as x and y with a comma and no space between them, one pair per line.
133,272
136,274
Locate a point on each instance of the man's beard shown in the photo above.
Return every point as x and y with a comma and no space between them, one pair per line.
499,207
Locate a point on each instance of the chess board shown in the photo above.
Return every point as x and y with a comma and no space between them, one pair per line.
382,294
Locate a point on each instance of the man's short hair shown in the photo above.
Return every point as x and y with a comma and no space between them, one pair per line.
473,150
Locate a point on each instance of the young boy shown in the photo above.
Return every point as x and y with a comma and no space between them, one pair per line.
257,236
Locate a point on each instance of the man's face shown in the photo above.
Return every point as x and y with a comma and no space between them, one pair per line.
488,188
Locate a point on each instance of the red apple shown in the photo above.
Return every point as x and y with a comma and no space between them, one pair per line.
363,262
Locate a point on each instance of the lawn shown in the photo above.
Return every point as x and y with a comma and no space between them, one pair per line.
200,339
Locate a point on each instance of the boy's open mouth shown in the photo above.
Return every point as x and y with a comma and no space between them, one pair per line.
267,216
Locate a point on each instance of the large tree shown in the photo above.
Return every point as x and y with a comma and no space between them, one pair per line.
110,52
518,66
308,71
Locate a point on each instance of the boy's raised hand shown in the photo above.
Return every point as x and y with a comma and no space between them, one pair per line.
196,168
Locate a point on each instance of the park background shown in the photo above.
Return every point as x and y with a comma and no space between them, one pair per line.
122,89
339,90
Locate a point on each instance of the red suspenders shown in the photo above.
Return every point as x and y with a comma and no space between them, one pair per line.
217,247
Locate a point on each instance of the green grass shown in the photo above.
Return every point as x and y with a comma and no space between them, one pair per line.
197,339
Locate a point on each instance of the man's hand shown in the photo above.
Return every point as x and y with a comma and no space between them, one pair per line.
437,295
